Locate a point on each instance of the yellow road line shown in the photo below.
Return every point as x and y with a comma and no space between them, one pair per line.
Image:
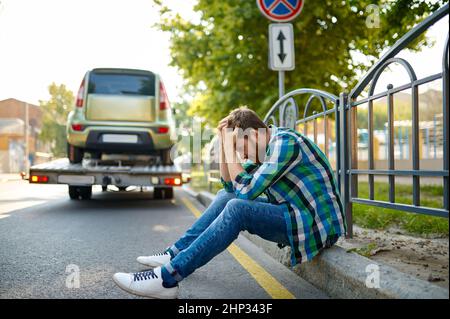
272,286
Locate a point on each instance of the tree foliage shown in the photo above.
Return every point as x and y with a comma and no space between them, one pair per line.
55,111
223,56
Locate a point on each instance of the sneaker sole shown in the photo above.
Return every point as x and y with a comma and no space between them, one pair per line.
142,295
153,265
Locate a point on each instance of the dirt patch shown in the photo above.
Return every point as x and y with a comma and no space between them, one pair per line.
424,258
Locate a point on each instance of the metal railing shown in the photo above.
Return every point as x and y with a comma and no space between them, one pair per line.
344,110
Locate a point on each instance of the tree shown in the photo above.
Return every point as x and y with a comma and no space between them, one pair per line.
55,112
223,56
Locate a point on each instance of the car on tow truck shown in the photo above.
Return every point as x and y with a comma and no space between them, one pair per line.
120,111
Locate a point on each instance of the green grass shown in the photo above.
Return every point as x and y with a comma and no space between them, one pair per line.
379,218
383,218
366,250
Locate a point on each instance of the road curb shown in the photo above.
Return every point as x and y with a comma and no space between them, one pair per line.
343,274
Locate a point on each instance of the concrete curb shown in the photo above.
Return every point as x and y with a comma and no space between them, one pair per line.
343,275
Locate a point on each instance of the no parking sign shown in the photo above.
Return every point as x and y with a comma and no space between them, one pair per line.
280,10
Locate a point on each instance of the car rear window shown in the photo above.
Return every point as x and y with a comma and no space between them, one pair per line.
121,84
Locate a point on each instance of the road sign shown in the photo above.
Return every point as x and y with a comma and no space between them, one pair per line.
281,47
280,10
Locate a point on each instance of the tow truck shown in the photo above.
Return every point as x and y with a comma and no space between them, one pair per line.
121,173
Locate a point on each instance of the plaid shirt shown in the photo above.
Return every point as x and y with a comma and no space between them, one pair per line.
296,174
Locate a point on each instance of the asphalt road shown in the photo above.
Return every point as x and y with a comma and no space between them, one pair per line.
45,239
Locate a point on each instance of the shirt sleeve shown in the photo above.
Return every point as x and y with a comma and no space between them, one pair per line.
227,186
249,167
283,154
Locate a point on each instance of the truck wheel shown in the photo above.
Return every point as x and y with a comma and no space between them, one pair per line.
86,192
165,157
75,154
75,192
163,193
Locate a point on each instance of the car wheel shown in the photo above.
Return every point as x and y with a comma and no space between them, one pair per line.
163,193
165,157
75,154
96,155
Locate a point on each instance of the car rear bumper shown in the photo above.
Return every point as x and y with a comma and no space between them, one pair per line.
144,143
147,141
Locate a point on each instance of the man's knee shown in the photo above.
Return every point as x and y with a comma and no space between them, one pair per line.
236,203
237,207
222,192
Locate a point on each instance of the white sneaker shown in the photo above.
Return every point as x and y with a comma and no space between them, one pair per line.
154,260
147,283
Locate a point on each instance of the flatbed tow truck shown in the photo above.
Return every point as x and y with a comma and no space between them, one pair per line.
121,173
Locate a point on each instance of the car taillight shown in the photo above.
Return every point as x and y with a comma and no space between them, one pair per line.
163,100
80,96
173,181
163,130
39,179
77,127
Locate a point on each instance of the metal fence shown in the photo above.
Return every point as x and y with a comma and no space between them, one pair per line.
342,112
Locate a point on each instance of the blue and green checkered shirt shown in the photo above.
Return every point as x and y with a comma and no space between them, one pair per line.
295,173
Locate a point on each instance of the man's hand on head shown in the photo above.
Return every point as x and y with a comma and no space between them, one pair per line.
229,143
222,124
229,148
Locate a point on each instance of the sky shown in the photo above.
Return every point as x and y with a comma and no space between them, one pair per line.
57,41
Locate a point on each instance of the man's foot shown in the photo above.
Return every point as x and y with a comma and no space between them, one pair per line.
155,260
147,283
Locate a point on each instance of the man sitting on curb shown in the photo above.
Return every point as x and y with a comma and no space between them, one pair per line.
301,207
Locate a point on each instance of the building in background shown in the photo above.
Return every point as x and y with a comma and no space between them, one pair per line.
12,136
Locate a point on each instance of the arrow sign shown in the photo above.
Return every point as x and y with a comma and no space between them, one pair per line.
281,38
281,47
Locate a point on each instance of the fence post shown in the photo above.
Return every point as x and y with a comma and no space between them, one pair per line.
353,160
445,120
337,150
344,158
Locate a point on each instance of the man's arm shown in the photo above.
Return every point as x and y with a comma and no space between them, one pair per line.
234,167
223,167
284,154
224,173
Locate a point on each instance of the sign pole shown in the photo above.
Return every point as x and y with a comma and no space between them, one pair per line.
281,35
281,83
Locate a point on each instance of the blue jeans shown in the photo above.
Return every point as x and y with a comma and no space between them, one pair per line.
219,225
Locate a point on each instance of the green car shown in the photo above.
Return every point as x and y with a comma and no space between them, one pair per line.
121,111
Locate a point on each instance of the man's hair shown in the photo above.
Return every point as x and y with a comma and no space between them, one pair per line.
245,118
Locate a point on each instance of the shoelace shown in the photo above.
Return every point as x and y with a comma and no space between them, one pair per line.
144,275
162,254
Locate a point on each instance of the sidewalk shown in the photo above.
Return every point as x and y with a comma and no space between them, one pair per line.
341,273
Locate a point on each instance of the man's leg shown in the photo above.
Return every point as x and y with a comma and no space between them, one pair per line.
263,219
202,223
